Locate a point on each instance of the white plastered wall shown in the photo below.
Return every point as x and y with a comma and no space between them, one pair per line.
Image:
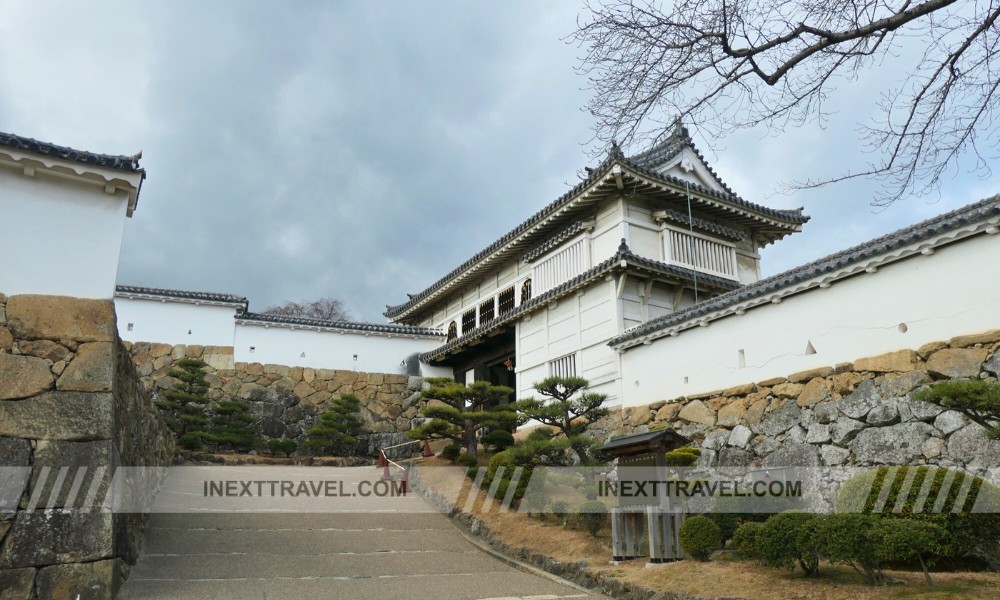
937,297
333,350
172,322
59,238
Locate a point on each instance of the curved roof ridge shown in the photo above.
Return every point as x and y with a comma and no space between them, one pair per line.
339,324
110,161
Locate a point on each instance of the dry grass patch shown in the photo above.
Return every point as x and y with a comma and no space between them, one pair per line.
722,576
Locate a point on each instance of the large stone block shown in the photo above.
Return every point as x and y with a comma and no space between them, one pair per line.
845,429
14,452
970,445
861,401
23,376
44,349
87,581
957,362
71,416
732,413
895,445
781,420
92,370
817,390
696,412
899,361
6,339
793,455
61,318
17,584
45,538
72,455
987,337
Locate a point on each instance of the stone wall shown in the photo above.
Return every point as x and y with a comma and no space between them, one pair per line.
286,400
858,414
69,397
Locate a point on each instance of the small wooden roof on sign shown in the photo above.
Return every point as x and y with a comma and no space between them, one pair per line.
649,443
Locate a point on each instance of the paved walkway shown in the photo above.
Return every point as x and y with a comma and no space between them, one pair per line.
408,552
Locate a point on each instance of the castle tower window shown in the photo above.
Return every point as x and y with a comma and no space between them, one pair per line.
526,290
468,321
452,331
506,301
487,310
563,367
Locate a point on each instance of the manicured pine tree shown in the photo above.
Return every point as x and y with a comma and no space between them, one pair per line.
230,426
570,415
338,427
466,410
183,405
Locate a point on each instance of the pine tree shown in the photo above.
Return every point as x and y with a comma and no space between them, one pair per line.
183,405
338,427
570,415
230,426
466,410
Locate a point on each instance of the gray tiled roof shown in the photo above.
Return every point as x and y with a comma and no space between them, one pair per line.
703,224
988,208
388,328
793,217
623,254
125,290
125,163
668,149
557,239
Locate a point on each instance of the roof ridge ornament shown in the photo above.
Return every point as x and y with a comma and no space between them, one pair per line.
623,247
615,151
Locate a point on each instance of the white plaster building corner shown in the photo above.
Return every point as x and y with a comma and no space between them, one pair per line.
69,207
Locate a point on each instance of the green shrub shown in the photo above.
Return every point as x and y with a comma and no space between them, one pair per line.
683,457
500,459
286,447
700,536
451,452
851,539
191,440
497,440
593,515
977,399
560,509
467,460
963,533
727,522
747,540
787,539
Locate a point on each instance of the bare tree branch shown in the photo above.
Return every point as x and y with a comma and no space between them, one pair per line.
725,65
324,309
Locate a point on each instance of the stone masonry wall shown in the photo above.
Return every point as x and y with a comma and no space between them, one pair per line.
69,397
286,400
857,414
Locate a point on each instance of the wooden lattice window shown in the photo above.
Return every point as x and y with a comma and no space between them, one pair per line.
487,310
468,321
506,301
526,290
563,367
452,331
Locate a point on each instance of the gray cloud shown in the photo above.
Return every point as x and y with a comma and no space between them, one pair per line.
358,150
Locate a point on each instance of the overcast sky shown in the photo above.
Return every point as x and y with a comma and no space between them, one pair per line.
298,150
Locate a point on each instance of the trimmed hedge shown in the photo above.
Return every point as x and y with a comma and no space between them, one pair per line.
965,533
700,536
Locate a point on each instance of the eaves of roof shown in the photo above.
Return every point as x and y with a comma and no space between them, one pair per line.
623,259
351,326
133,291
110,161
789,220
788,282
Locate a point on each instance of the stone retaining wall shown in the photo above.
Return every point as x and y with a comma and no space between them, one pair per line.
69,397
285,399
858,414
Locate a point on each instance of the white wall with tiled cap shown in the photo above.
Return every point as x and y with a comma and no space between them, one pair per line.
167,321
936,296
61,237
